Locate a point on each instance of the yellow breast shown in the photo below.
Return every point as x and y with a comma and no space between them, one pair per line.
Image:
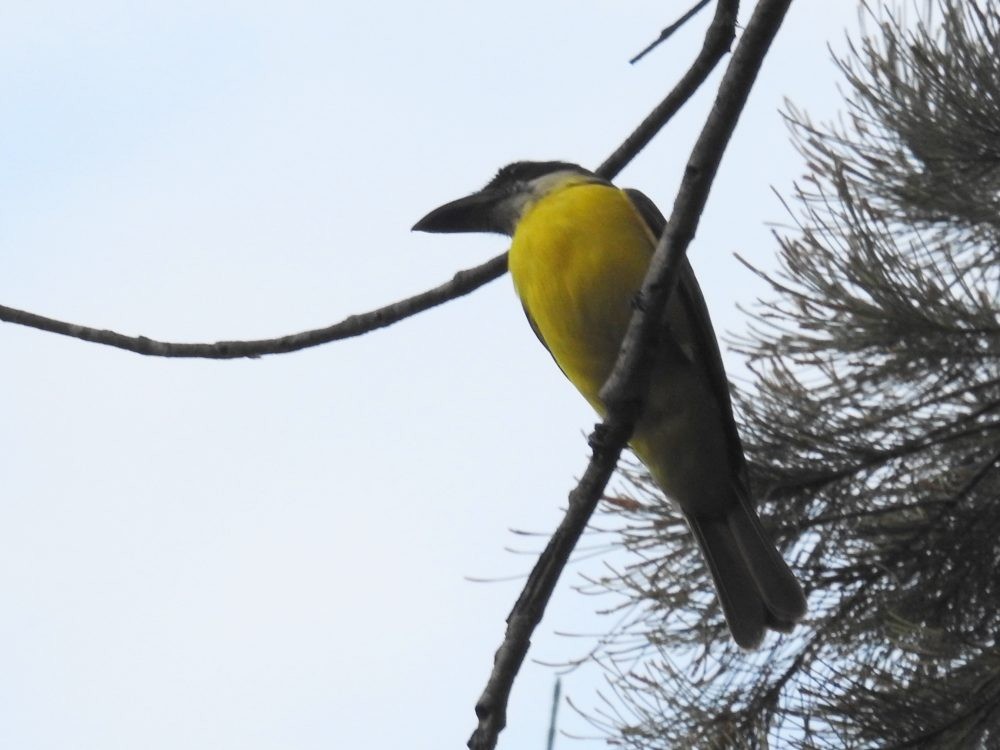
578,257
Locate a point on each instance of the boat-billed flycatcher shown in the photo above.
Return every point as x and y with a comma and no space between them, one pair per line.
580,250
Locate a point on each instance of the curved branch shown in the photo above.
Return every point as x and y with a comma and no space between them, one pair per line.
717,41
461,284
622,392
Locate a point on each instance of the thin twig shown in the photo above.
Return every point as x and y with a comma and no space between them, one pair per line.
556,692
461,284
668,32
622,392
718,39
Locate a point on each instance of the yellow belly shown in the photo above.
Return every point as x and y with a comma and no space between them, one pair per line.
577,259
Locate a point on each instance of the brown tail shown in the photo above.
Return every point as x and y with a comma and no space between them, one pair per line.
756,588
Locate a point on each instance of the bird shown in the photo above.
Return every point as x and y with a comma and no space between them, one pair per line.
580,249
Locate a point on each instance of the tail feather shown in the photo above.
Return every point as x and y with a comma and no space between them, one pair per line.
775,581
742,605
756,588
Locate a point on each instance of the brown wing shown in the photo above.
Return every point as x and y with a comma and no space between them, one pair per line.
705,343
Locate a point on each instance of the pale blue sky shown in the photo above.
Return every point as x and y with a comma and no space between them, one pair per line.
273,554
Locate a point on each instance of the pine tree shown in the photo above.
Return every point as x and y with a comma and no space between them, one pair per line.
873,428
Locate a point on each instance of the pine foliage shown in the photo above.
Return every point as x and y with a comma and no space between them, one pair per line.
873,429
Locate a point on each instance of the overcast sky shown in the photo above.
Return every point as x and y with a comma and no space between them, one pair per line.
277,553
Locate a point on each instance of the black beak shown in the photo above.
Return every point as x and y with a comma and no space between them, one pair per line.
473,213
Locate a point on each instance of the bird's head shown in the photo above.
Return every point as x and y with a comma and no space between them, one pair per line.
499,206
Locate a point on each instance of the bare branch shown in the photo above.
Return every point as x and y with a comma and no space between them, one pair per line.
669,31
461,284
622,392
718,39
